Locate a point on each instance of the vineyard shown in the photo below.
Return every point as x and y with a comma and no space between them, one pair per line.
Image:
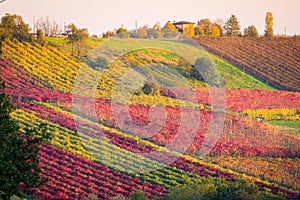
275,61
91,153
284,171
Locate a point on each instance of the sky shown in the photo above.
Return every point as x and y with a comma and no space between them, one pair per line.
102,15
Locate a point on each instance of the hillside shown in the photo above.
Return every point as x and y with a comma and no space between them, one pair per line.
118,148
275,61
91,152
232,76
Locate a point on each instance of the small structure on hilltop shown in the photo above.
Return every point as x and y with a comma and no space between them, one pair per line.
259,119
180,26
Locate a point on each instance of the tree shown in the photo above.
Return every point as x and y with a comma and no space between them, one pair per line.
40,37
83,36
157,26
72,35
142,32
44,25
13,26
219,27
250,31
200,30
108,34
19,165
123,33
210,188
206,28
77,37
219,22
205,24
269,32
232,27
169,30
138,196
170,26
154,33
214,31
189,30
50,28
202,27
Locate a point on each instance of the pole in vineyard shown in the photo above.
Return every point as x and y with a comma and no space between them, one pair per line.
33,24
285,30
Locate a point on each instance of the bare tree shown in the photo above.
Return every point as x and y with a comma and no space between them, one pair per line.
54,29
39,24
50,28
47,26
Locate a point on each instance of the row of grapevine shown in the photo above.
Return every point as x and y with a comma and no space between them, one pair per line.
238,130
261,57
274,114
71,176
60,72
242,99
160,177
283,171
246,137
240,135
237,99
42,94
101,150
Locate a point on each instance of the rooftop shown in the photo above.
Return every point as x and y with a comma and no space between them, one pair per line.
183,22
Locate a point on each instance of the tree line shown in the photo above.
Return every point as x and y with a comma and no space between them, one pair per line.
12,27
204,27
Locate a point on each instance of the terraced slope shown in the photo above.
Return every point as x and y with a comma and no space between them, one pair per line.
92,154
275,60
119,148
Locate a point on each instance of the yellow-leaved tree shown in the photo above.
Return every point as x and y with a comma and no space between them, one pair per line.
269,32
169,30
189,30
170,26
214,31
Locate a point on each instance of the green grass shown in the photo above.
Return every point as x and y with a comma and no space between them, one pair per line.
236,78
62,42
93,42
290,124
56,40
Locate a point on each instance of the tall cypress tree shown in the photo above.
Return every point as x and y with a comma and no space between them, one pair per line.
269,32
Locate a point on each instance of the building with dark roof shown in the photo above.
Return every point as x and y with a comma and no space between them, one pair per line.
180,26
